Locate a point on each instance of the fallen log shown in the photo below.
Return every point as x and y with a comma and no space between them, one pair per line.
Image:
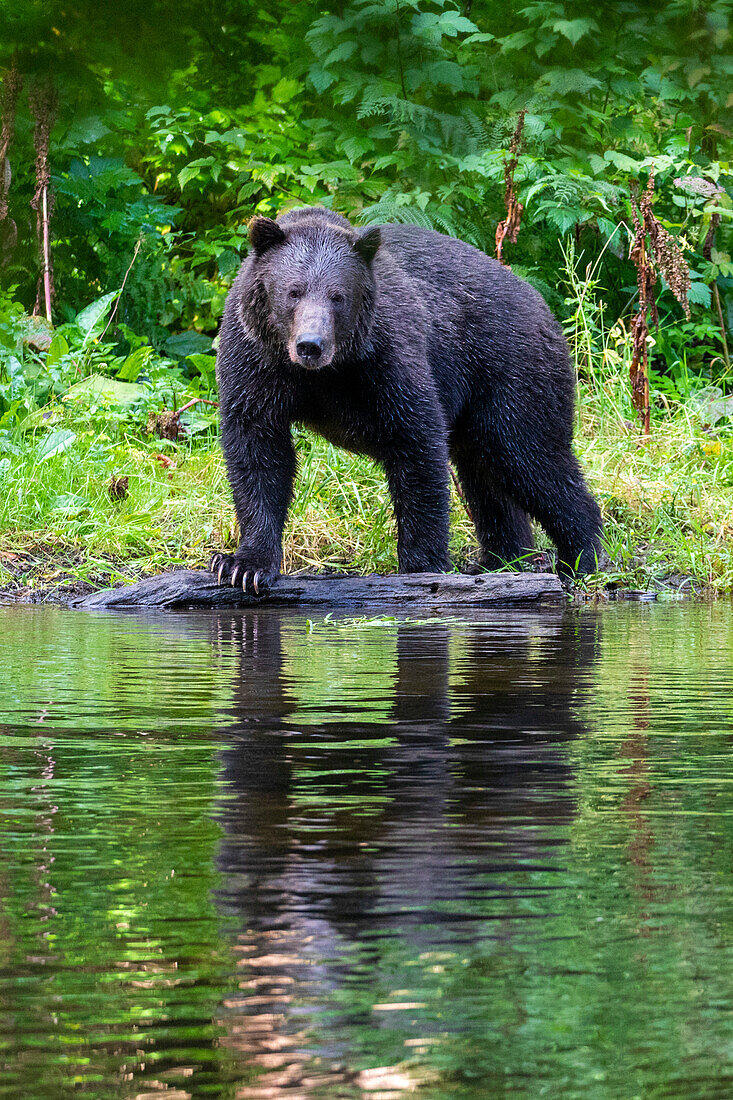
188,588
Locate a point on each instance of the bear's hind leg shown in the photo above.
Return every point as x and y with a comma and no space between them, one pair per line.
502,528
554,492
571,517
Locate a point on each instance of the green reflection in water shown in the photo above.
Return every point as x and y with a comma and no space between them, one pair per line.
112,962
243,857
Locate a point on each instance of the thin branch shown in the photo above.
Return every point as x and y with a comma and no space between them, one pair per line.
129,269
721,322
509,228
46,257
195,400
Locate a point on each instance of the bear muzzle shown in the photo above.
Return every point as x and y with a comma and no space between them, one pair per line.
312,343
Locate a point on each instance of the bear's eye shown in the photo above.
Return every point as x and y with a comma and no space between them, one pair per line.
295,293
337,298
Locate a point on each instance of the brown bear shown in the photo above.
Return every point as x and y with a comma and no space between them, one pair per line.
411,347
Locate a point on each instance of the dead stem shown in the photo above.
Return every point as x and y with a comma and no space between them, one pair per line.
509,228
652,250
43,102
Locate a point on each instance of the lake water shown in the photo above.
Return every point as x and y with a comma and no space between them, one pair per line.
248,856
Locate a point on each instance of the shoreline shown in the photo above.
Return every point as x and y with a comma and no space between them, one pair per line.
55,579
64,532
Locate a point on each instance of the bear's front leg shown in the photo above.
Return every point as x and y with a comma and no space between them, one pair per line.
417,474
260,460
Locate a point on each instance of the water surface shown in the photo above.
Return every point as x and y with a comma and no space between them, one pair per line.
251,855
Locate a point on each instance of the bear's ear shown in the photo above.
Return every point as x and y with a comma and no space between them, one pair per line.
367,242
264,233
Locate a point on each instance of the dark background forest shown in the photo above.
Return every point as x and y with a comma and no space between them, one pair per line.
173,123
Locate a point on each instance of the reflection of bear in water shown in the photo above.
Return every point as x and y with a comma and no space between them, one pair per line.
410,347
337,845
474,761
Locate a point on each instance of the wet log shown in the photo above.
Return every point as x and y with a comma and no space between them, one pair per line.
189,588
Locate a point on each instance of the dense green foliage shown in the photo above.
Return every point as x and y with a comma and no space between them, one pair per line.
174,123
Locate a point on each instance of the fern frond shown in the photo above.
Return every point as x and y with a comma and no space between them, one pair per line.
383,212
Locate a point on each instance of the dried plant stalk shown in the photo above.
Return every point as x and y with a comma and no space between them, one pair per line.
43,102
509,228
652,250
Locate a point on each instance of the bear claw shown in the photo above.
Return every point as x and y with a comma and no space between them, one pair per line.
228,570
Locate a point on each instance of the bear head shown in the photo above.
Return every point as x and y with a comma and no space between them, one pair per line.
314,284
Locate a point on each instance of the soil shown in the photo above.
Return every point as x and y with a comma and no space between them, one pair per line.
46,573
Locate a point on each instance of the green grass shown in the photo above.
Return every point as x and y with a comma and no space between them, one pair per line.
667,503
58,514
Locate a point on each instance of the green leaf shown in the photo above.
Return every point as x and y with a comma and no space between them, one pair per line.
91,319
516,41
86,131
191,171
228,261
98,385
537,186
356,147
626,164
560,82
483,37
608,230
573,29
36,332
134,363
454,23
342,52
445,72
55,444
286,89
205,365
69,504
564,219
545,44
699,294
57,350
320,78
184,344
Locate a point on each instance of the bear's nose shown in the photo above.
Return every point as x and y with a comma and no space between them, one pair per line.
309,347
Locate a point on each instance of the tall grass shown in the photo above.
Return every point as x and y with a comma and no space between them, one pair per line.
667,499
